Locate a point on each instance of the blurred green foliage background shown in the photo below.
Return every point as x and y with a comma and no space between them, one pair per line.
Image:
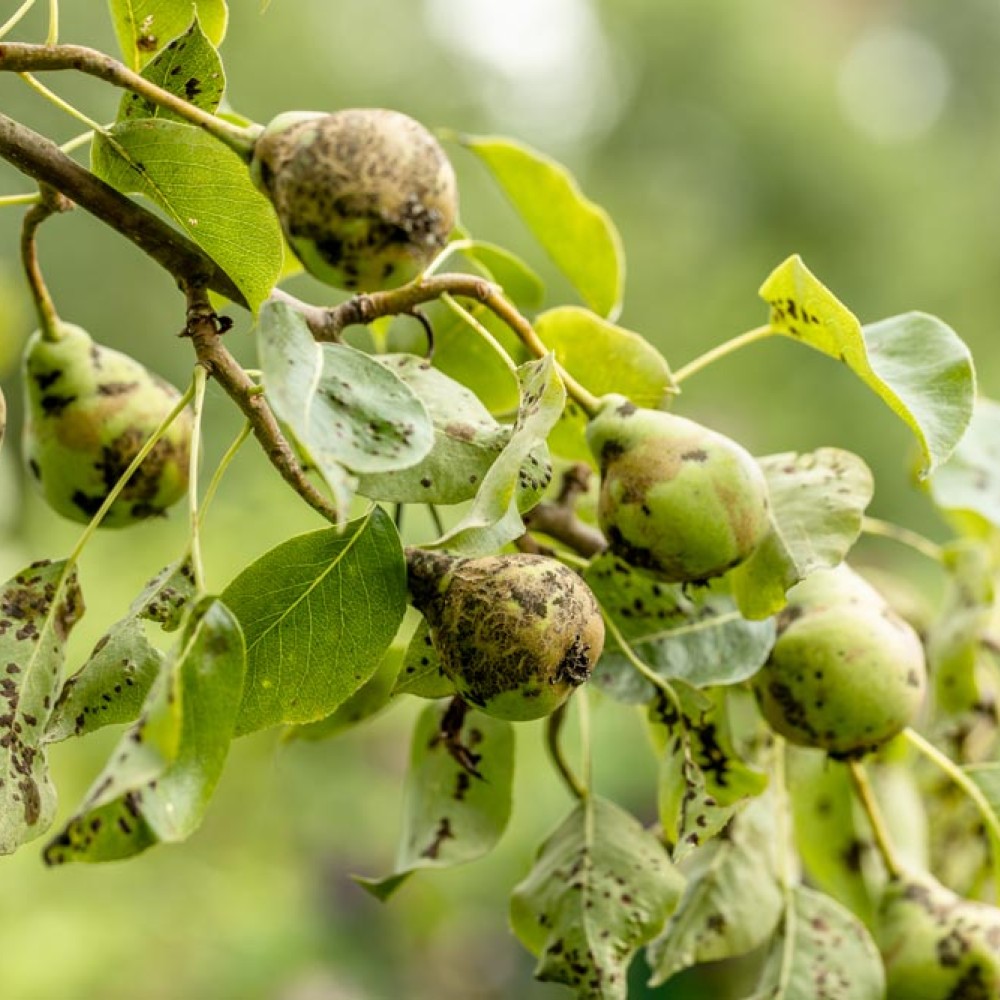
863,134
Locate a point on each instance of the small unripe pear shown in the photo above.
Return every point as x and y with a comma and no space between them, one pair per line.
516,633
677,500
89,410
366,197
935,944
846,673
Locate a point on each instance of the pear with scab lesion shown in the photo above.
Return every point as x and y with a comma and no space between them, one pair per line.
88,412
516,633
935,944
366,197
678,501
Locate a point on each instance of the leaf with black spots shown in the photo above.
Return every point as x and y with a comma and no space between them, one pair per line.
38,608
458,794
422,674
601,887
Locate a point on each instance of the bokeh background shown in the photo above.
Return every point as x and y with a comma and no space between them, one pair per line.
863,134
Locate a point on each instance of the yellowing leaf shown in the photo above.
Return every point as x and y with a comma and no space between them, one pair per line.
916,363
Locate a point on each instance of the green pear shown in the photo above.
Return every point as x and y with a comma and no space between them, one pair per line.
366,197
678,501
935,944
846,673
89,410
516,633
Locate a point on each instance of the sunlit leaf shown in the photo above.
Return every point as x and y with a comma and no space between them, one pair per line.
452,816
204,188
732,902
144,27
601,887
521,471
697,636
821,943
605,358
578,235
38,608
916,363
159,780
318,612
189,68
818,500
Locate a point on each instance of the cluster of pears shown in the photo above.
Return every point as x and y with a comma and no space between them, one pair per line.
846,673
89,410
517,634
366,197
935,944
678,501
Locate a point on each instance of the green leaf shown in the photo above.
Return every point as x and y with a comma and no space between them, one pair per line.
318,613
467,440
578,235
520,473
821,943
519,282
451,816
144,27
167,596
110,687
204,188
832,840
190,68
422,674
702,782
818,500
606,359
372,697
732,902
969,482
347,411
916,363
698,636
954,645
158,782
38,608
601,887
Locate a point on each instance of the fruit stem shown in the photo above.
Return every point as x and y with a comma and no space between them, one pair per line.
917,542
11,21
553,727
199,383
883,841
9,200
957,775
150,444
750,337
26,58
48,319
53,35
220,470
660,683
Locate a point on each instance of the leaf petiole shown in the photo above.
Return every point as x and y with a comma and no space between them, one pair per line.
716,353
917,542
883,842
199,383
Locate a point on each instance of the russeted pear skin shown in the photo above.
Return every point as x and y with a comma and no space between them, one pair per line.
366,196
89,410
935,944
678,500
846,673
516,633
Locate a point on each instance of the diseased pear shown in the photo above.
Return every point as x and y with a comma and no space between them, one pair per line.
679,501
846,673
89,410
366,197
935,944
516,633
